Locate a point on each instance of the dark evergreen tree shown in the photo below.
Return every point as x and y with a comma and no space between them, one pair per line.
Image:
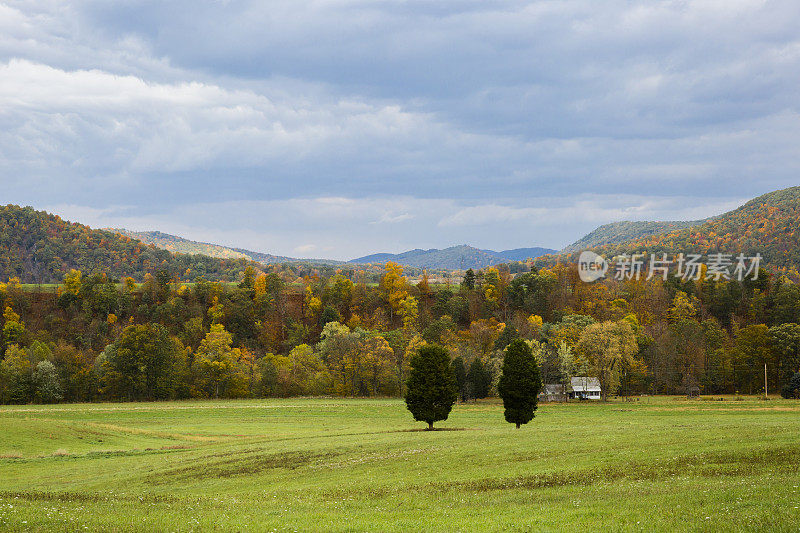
460,373
330,314
520,383
792,387
508,335
469,279
431,387
479,379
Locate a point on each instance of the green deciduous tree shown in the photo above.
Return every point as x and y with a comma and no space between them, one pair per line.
786,347
752,348
144,364
46,386
15,376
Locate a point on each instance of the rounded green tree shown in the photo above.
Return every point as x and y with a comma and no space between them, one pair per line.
431,388
520,383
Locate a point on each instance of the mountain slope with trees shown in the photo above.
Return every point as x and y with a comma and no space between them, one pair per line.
768,224
39,247
180,245
176,244
627,230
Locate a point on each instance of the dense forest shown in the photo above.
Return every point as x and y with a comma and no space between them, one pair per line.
37,247
273,334
128,321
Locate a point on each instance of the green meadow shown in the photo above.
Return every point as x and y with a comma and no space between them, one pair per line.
662,464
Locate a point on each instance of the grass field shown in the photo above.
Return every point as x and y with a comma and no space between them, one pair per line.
343,465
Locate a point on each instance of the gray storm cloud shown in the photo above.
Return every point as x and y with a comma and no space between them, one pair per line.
345,128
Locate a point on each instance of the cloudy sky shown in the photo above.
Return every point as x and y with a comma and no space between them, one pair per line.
336,128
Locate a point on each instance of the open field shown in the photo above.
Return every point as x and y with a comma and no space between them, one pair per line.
343,465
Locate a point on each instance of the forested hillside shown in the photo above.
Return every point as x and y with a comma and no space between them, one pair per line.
177,244
619,232
769,225
38,247
180,245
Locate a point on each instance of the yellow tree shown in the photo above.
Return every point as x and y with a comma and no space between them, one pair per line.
216,312
484,333
260,286
13,328
393,287
495,288
307,372
409,310
73,281
535,323
683,307
608,347
492,287
378,359
220,367
312,303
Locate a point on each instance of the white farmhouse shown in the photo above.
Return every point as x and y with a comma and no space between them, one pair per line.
585,388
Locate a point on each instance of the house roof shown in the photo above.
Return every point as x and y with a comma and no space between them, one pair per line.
585,384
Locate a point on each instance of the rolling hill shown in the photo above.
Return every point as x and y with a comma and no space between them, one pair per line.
181,245
39,247
619,232
768,224
454,258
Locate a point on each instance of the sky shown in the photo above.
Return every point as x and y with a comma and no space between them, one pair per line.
338,128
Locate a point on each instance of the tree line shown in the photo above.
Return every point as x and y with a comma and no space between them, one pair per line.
274,333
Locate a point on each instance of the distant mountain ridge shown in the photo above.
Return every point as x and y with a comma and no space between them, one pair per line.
454,257
181,245
627,230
